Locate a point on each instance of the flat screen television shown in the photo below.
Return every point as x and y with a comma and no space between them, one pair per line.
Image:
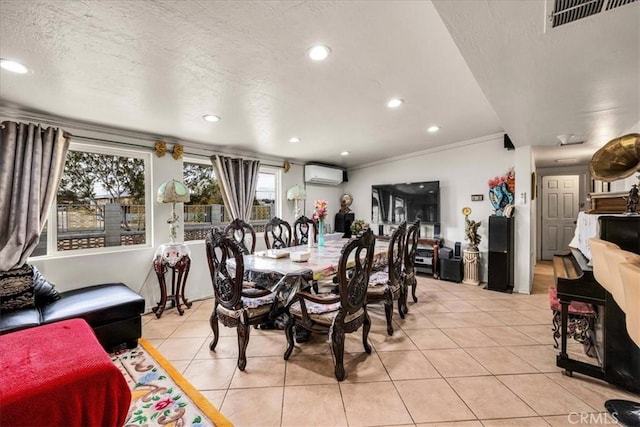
395,203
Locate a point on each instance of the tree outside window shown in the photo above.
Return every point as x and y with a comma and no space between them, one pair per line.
100,203
206,207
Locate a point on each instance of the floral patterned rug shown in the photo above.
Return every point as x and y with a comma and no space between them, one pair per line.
159,393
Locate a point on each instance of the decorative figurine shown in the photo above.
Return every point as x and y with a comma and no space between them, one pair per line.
345,202
344,217
632,200
471,230
471,260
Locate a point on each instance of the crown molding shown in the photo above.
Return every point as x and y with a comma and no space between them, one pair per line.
474,141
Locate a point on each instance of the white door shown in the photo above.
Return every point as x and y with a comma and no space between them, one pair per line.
560,205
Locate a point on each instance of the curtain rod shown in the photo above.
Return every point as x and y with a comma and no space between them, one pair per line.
189,153
64,132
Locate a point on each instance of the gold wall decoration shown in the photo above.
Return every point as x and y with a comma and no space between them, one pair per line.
161,148
286,166
178,151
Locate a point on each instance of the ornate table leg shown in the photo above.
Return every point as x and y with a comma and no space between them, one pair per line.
182,281
160,268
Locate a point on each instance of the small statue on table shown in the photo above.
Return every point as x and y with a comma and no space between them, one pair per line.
345,217
632,200
345,202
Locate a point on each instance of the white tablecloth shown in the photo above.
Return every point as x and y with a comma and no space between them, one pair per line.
587,226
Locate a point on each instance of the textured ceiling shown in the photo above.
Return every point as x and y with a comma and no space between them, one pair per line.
158,66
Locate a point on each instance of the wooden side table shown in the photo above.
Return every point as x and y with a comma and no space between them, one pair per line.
174,257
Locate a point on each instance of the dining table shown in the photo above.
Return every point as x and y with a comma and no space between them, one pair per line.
277,271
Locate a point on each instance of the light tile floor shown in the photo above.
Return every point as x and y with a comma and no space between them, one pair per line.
463,356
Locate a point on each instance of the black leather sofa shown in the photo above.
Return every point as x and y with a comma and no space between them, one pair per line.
112,310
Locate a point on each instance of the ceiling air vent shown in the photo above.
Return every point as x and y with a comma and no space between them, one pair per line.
612,4
565,11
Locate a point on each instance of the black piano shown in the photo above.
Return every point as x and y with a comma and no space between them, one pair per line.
618,357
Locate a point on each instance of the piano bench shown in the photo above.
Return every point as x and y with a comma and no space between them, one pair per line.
581,320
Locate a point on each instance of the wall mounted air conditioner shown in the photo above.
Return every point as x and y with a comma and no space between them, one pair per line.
318,174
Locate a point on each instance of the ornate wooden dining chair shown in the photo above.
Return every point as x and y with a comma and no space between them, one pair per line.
243,233
337,314
235,305
387,285
277,234
301,229
411,245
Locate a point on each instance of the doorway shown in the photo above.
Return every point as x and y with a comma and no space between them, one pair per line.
560,206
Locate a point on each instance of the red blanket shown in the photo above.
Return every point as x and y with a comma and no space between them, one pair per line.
59,375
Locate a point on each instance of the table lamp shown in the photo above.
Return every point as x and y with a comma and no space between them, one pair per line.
173,192
296,193
175,255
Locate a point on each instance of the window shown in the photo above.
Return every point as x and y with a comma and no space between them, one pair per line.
206,208
101,201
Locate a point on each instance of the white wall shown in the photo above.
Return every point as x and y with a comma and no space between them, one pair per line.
524,222
462,170
331,194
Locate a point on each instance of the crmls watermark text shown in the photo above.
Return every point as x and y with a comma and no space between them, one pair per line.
578,418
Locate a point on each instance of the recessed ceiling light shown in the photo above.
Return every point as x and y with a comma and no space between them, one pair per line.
344,153
433,129
211,118
319,53
13,66
395,103
294,139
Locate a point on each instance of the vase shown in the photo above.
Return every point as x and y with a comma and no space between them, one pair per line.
500,197
320,233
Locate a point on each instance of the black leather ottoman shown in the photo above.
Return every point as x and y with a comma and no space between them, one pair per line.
112,310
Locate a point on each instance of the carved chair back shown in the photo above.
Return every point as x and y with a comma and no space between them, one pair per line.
227,285
341,314
390,285
395,254
234,306
410,247
301,229
277,234
354,281
244,234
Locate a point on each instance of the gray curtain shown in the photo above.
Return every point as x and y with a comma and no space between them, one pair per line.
238,179
31,164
